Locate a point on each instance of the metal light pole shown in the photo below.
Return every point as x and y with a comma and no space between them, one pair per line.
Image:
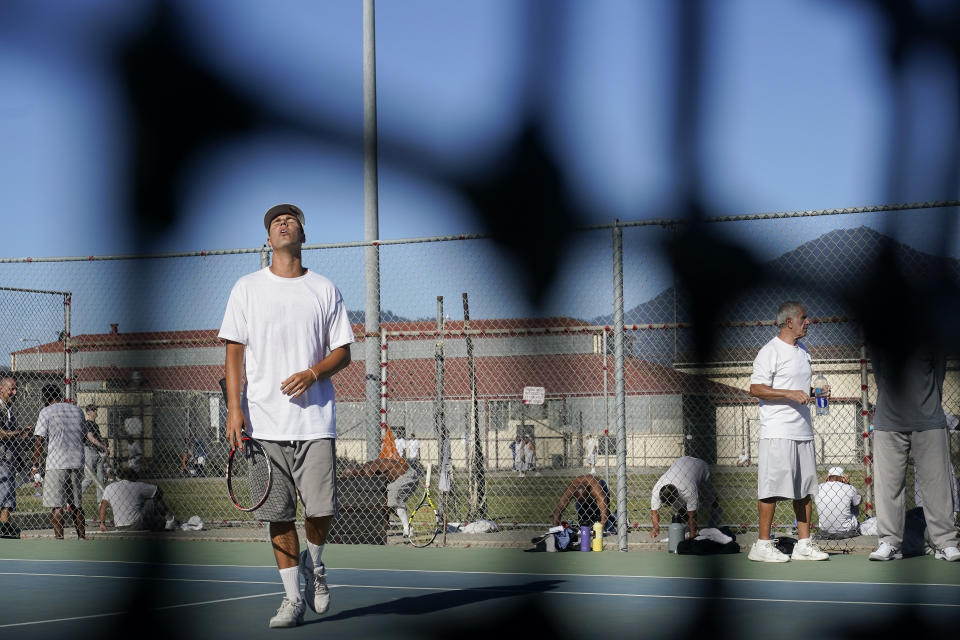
371,225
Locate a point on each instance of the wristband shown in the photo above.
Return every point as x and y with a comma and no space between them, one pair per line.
316,378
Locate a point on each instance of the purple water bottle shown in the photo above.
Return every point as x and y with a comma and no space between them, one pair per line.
584,538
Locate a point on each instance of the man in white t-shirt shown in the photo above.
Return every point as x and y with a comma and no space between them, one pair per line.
687,488
61,425
287,333
413,448
591,453
838,505
786,468
137,506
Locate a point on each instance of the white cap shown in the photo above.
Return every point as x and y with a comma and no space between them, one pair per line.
835,471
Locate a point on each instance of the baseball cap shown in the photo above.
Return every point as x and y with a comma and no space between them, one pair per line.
835,471
279,210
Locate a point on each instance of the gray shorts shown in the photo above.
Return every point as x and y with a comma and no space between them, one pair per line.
307,466
402,488
786,469
62,487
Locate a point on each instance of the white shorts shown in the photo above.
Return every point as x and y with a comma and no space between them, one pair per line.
786,469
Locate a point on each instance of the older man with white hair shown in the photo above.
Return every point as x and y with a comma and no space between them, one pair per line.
786,467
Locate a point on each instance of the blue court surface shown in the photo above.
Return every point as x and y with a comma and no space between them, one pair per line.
211,589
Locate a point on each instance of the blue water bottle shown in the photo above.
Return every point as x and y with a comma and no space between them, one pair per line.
819,390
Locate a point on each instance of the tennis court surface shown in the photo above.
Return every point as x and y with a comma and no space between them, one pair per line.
211,589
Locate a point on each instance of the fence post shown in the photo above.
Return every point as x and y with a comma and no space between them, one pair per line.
67,360
619,386
865,424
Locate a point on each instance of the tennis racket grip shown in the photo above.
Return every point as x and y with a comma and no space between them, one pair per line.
429,471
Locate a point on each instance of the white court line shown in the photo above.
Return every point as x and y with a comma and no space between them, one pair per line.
508,573
645,595
143,578
120,613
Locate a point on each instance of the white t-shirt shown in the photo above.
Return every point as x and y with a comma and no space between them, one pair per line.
591,450
126,499
134,455
401,445
835,502
62,424
689,475
286,325
783,366
413,450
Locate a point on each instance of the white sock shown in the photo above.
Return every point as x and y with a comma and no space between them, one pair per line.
291,582
404,520
316,551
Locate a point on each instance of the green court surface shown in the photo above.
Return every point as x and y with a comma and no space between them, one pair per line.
213,589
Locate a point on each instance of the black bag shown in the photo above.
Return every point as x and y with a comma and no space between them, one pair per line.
7,530
709,547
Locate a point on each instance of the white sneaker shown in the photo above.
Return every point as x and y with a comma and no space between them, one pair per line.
805,549
886,552
315,590
950,554
290,614
765,551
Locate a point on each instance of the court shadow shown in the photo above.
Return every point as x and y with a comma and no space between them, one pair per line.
439,601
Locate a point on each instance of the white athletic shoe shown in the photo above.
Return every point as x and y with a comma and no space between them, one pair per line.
950,554
765,551
886,552
805,549
315,590
290,614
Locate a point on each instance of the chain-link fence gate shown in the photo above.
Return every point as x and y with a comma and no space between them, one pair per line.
612,351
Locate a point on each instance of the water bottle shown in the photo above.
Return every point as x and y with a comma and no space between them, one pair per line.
584,538
675,535
819,390
597,544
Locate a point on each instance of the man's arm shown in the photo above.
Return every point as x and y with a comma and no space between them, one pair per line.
96,442
391,469
37,450
765,392
326,368
564,501
655,521
234,375
692,523
103,515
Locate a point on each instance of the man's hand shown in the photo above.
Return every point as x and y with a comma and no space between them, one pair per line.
795,395
234,430
103,527
297,383
655,531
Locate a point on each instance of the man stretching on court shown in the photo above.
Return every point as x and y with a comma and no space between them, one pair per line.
287,332
786,468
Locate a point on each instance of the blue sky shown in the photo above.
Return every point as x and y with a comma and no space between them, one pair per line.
795,113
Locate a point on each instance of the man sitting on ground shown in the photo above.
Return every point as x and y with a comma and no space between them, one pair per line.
838,505
137,506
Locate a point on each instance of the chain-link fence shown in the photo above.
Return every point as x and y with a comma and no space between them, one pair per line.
512,406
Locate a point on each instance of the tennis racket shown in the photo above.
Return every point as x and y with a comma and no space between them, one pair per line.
249,474
425,521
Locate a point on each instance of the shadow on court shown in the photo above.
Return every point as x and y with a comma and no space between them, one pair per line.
435,602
